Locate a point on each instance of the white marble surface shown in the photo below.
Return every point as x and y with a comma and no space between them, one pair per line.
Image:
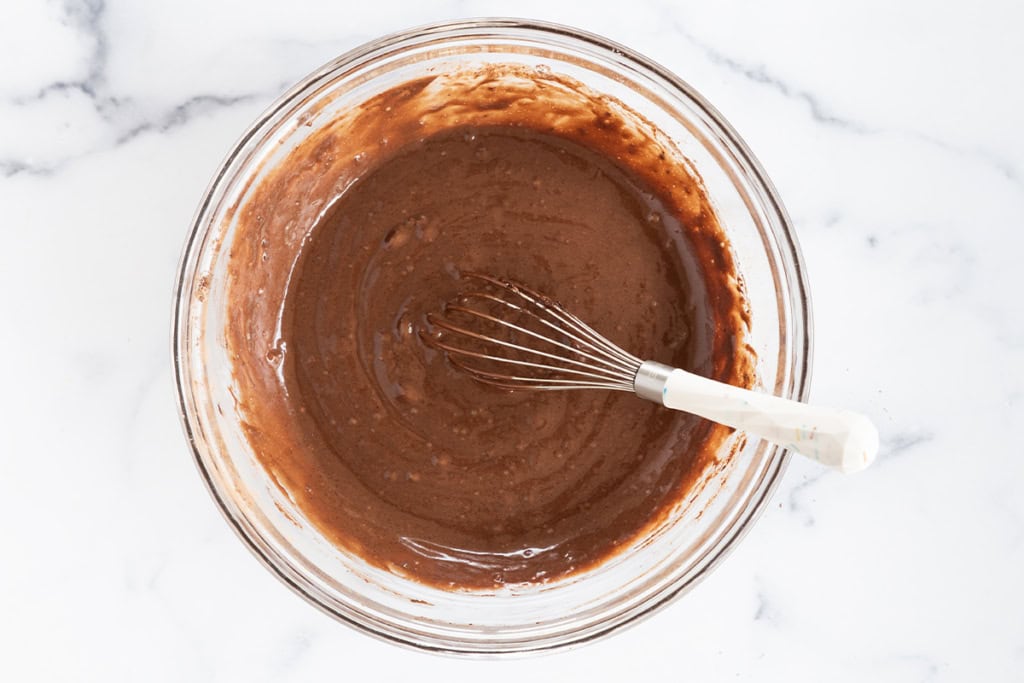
893,131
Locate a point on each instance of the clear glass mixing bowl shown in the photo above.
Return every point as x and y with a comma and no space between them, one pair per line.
659,567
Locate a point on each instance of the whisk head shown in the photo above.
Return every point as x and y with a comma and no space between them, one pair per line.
504,333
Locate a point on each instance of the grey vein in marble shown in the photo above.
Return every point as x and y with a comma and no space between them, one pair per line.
902,443
118,112
798,492
824,115
761,75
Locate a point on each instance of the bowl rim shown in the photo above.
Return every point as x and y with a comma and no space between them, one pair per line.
791,260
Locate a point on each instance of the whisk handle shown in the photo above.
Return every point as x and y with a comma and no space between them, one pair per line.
843,439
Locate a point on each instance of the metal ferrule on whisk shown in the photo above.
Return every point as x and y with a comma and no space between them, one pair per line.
650,380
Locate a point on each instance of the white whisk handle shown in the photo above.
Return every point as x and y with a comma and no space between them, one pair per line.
842,439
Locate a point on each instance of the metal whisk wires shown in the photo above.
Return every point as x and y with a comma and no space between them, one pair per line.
510,336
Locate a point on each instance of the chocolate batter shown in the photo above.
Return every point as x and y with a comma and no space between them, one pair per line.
394,454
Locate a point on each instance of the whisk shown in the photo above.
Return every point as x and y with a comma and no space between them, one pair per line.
510,336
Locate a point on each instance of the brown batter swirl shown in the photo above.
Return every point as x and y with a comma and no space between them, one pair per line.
390,451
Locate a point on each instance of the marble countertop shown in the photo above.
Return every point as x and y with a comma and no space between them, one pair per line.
893,131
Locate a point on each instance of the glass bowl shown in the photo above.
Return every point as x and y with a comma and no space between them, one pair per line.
659,567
